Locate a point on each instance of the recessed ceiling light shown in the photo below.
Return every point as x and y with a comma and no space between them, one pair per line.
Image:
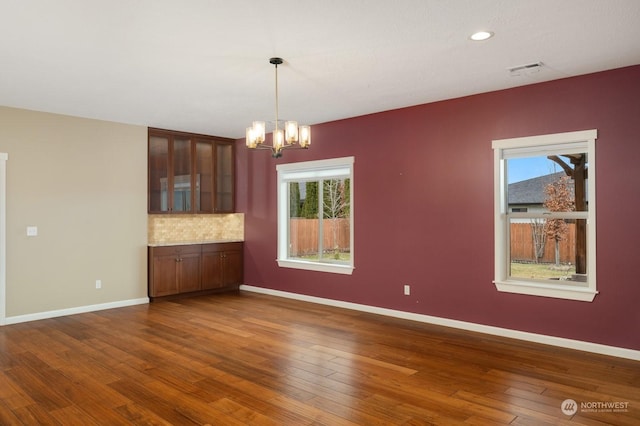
481,35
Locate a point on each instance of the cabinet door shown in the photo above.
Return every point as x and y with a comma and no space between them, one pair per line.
233,268
224,177
204,177
211,270
159,198
164,276
181,188
170,174
189,272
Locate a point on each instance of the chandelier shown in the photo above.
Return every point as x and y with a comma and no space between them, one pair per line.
286,134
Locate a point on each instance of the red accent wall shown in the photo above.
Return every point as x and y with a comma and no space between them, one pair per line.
424,207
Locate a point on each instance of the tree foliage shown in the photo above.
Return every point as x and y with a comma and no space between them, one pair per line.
335,205
559,198
309,208
294,199
336,198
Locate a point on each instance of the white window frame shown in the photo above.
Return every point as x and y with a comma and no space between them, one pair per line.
311,170
558,143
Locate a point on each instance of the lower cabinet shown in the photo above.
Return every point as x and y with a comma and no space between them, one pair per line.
221,265
182,269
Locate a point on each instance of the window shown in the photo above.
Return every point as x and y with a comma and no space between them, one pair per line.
548,248
315,215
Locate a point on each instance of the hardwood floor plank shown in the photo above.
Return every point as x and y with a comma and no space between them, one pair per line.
74,416
137,415
241,415
366,360
8,416
12,395
358,413
35,415
143,396
261,405
310,413
516,407
38,387
397,412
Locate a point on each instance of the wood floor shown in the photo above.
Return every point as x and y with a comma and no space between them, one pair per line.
245,358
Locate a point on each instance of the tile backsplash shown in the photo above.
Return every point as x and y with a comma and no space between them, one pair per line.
195,228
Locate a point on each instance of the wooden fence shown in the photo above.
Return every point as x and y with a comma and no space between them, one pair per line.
304,240
522,247
304,235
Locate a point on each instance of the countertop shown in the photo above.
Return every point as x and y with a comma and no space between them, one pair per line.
184,243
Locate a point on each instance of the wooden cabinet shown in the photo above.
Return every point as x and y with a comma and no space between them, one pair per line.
190,173
193,268
222,265
174,269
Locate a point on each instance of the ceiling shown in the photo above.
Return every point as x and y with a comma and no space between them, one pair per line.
203,65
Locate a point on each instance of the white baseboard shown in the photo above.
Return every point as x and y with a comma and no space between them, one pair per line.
71,311
486,329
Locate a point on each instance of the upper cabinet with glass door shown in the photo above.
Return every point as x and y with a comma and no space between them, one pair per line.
190,173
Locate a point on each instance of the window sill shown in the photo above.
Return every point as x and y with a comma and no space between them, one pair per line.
557,291
316,266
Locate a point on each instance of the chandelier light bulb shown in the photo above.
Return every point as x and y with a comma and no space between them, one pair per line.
250,138
305,136
278,139
259,130
291,131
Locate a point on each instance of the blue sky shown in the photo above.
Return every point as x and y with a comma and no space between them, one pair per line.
526,168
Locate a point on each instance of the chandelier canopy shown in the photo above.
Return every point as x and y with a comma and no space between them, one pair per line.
286,134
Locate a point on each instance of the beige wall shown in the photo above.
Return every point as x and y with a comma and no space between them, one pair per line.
83,183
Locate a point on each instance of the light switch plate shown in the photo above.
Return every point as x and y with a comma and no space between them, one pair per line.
32,231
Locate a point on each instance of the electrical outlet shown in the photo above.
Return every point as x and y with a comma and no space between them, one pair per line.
98,284
407,289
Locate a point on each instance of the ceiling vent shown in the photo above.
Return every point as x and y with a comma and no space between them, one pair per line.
526,69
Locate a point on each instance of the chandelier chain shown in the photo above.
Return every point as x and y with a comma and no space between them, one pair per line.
276,65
